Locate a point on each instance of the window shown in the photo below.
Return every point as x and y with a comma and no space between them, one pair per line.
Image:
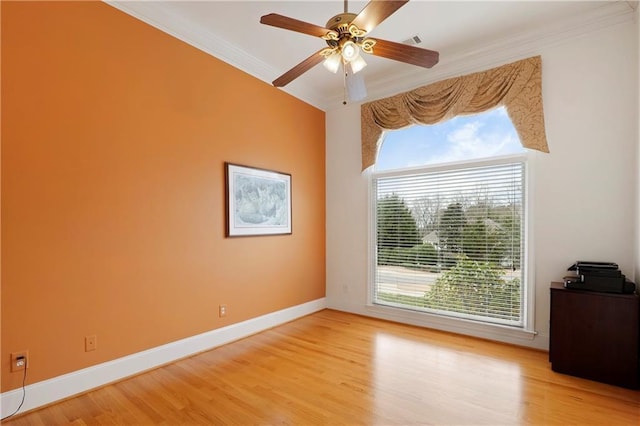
449,234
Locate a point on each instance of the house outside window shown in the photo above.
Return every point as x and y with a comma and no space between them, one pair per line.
450,211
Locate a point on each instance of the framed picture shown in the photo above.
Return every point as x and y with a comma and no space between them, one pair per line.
258,201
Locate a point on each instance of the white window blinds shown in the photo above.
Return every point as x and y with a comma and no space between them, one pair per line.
450,240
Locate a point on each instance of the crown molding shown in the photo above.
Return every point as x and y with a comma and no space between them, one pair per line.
458,62
500,51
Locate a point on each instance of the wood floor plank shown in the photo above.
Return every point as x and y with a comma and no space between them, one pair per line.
337,368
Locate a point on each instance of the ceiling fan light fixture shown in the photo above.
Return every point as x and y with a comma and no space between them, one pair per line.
350,51
357,64
345,35
332,62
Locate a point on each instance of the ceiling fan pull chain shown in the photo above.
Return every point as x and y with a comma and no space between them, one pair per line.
344,83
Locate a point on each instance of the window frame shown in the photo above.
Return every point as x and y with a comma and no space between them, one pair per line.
461,325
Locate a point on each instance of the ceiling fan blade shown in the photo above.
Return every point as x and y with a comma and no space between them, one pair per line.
299,69
287,23
375,12
405,53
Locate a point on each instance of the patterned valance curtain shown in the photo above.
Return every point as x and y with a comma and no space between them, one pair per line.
517,86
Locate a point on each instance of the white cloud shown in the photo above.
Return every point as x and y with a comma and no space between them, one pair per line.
463,138
465,134
470,142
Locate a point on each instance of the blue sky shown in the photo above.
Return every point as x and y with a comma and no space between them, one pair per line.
462,138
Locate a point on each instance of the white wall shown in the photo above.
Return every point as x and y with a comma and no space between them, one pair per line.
584,191
637,48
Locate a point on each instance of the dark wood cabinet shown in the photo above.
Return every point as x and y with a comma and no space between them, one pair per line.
595,335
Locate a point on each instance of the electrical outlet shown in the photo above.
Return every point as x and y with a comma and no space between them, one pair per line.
90,343
19,360
222,311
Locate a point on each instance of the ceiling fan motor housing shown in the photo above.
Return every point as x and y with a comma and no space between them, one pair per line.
341,19
340,24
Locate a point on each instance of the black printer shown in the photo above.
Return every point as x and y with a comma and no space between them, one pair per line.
598,276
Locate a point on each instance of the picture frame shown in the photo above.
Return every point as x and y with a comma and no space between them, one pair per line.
258,201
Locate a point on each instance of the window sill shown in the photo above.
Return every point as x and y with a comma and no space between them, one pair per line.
502,333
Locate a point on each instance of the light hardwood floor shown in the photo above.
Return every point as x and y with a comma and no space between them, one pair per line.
335,368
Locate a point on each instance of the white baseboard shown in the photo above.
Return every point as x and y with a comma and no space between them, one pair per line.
57,388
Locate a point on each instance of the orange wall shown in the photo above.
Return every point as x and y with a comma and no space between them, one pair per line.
114,138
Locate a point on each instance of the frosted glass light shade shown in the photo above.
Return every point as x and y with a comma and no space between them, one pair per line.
357,64
332,62
350,51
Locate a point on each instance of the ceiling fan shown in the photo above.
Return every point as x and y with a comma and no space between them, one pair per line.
346,36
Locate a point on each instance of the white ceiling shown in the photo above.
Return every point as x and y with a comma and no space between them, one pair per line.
470,35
